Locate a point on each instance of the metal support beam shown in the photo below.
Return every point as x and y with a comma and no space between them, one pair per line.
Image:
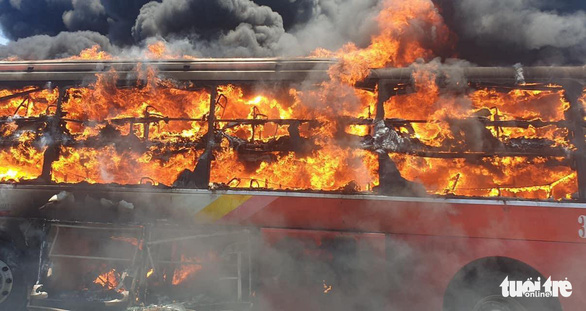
200,176
384,93
56,134
220,71
207,156
495,75
390,180
575,116
20,94
385,183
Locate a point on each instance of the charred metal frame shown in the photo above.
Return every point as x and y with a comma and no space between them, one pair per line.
244,258
39,299
236,248
69,72
575,116
394,81
54,129
389,81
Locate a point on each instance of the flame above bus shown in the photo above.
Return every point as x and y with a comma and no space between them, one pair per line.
471,140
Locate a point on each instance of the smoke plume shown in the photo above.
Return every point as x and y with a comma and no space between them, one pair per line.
509,31
493,32
62,45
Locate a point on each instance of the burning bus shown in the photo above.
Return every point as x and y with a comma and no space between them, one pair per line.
265,184
368,165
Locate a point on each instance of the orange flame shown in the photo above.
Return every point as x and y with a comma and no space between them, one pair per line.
188,267
93,53
402,24
494,176
130,149
157,50
23,161
108,280
327,288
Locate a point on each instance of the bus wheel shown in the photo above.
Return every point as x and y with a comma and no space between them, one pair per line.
13,294
498,303
476,287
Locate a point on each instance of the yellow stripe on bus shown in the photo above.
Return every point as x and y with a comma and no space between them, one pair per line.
220,207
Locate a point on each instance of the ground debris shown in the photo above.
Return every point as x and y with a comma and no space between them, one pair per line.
169,307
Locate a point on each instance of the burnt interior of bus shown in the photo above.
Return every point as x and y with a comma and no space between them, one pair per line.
473,139
99,267
88,264
422,136
90,267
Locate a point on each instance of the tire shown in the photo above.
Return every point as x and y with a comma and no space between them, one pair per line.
13,287
476,287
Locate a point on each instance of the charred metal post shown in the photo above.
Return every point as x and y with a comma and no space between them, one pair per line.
390,180
575,115
385,178
296,140
20,94
200,177
54,133
146,125
384,93
140,286
202,172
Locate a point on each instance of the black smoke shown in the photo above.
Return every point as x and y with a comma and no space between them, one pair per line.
25,18
62,45
503,32
239,26
490,32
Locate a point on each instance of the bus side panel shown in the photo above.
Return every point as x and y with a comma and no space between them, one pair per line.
321,270
423,266
301,268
